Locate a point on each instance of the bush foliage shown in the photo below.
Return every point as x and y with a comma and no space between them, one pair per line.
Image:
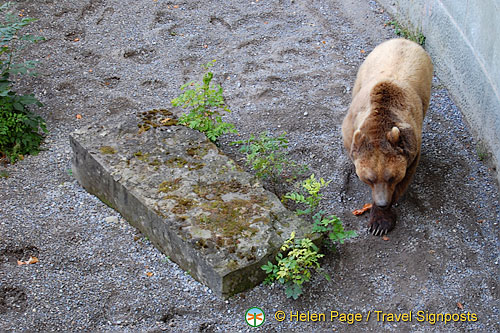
20,129
205,104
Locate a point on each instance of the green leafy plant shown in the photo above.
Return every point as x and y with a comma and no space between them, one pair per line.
205,104
482,151
298,257
332,227
312,200
401,31
20,129
268,157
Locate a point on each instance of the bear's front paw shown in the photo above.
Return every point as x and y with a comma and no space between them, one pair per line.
381,220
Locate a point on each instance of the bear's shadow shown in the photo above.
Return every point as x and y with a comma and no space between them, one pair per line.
435,185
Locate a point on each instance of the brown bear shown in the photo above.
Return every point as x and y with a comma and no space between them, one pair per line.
382,130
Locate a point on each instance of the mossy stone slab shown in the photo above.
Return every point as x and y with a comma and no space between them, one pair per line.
193,202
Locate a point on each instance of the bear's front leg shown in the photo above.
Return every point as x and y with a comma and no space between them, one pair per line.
381,220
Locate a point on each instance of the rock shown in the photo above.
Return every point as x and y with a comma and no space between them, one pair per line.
193,202
111,219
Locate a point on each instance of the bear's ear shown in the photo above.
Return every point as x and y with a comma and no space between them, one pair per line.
357,137
393,135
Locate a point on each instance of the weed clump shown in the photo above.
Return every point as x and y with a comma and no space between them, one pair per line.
268,157
401,31
297,257
206,105
294,268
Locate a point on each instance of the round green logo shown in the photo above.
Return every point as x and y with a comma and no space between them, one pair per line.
255,317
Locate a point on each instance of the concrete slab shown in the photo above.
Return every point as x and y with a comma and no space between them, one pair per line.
193,202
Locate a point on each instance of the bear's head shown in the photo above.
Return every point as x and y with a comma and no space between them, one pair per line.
381,159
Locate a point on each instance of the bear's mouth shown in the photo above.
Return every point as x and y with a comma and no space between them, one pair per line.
383,207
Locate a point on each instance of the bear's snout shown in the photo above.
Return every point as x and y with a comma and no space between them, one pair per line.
381,195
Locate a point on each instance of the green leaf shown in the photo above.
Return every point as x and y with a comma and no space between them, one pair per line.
299,198
293,291
303,211
18,106
31,38
268,268
28,99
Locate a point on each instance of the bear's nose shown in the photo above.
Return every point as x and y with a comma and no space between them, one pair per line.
383,206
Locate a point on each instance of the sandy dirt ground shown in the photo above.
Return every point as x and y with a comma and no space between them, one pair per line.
285,66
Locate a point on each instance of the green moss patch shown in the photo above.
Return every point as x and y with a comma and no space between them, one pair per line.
155,118
176,162
197,152
182,204
144,157
214,191
169,186
230,218
107,150
196,166
155,162
179,162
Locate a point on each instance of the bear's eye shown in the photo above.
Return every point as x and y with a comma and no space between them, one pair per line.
370,180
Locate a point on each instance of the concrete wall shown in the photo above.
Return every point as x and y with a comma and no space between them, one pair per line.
463,38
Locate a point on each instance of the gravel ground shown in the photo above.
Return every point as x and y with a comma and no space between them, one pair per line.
285,66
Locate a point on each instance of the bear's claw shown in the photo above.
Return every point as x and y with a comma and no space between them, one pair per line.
375,232
381,221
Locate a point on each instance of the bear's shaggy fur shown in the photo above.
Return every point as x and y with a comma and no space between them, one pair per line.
382,131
